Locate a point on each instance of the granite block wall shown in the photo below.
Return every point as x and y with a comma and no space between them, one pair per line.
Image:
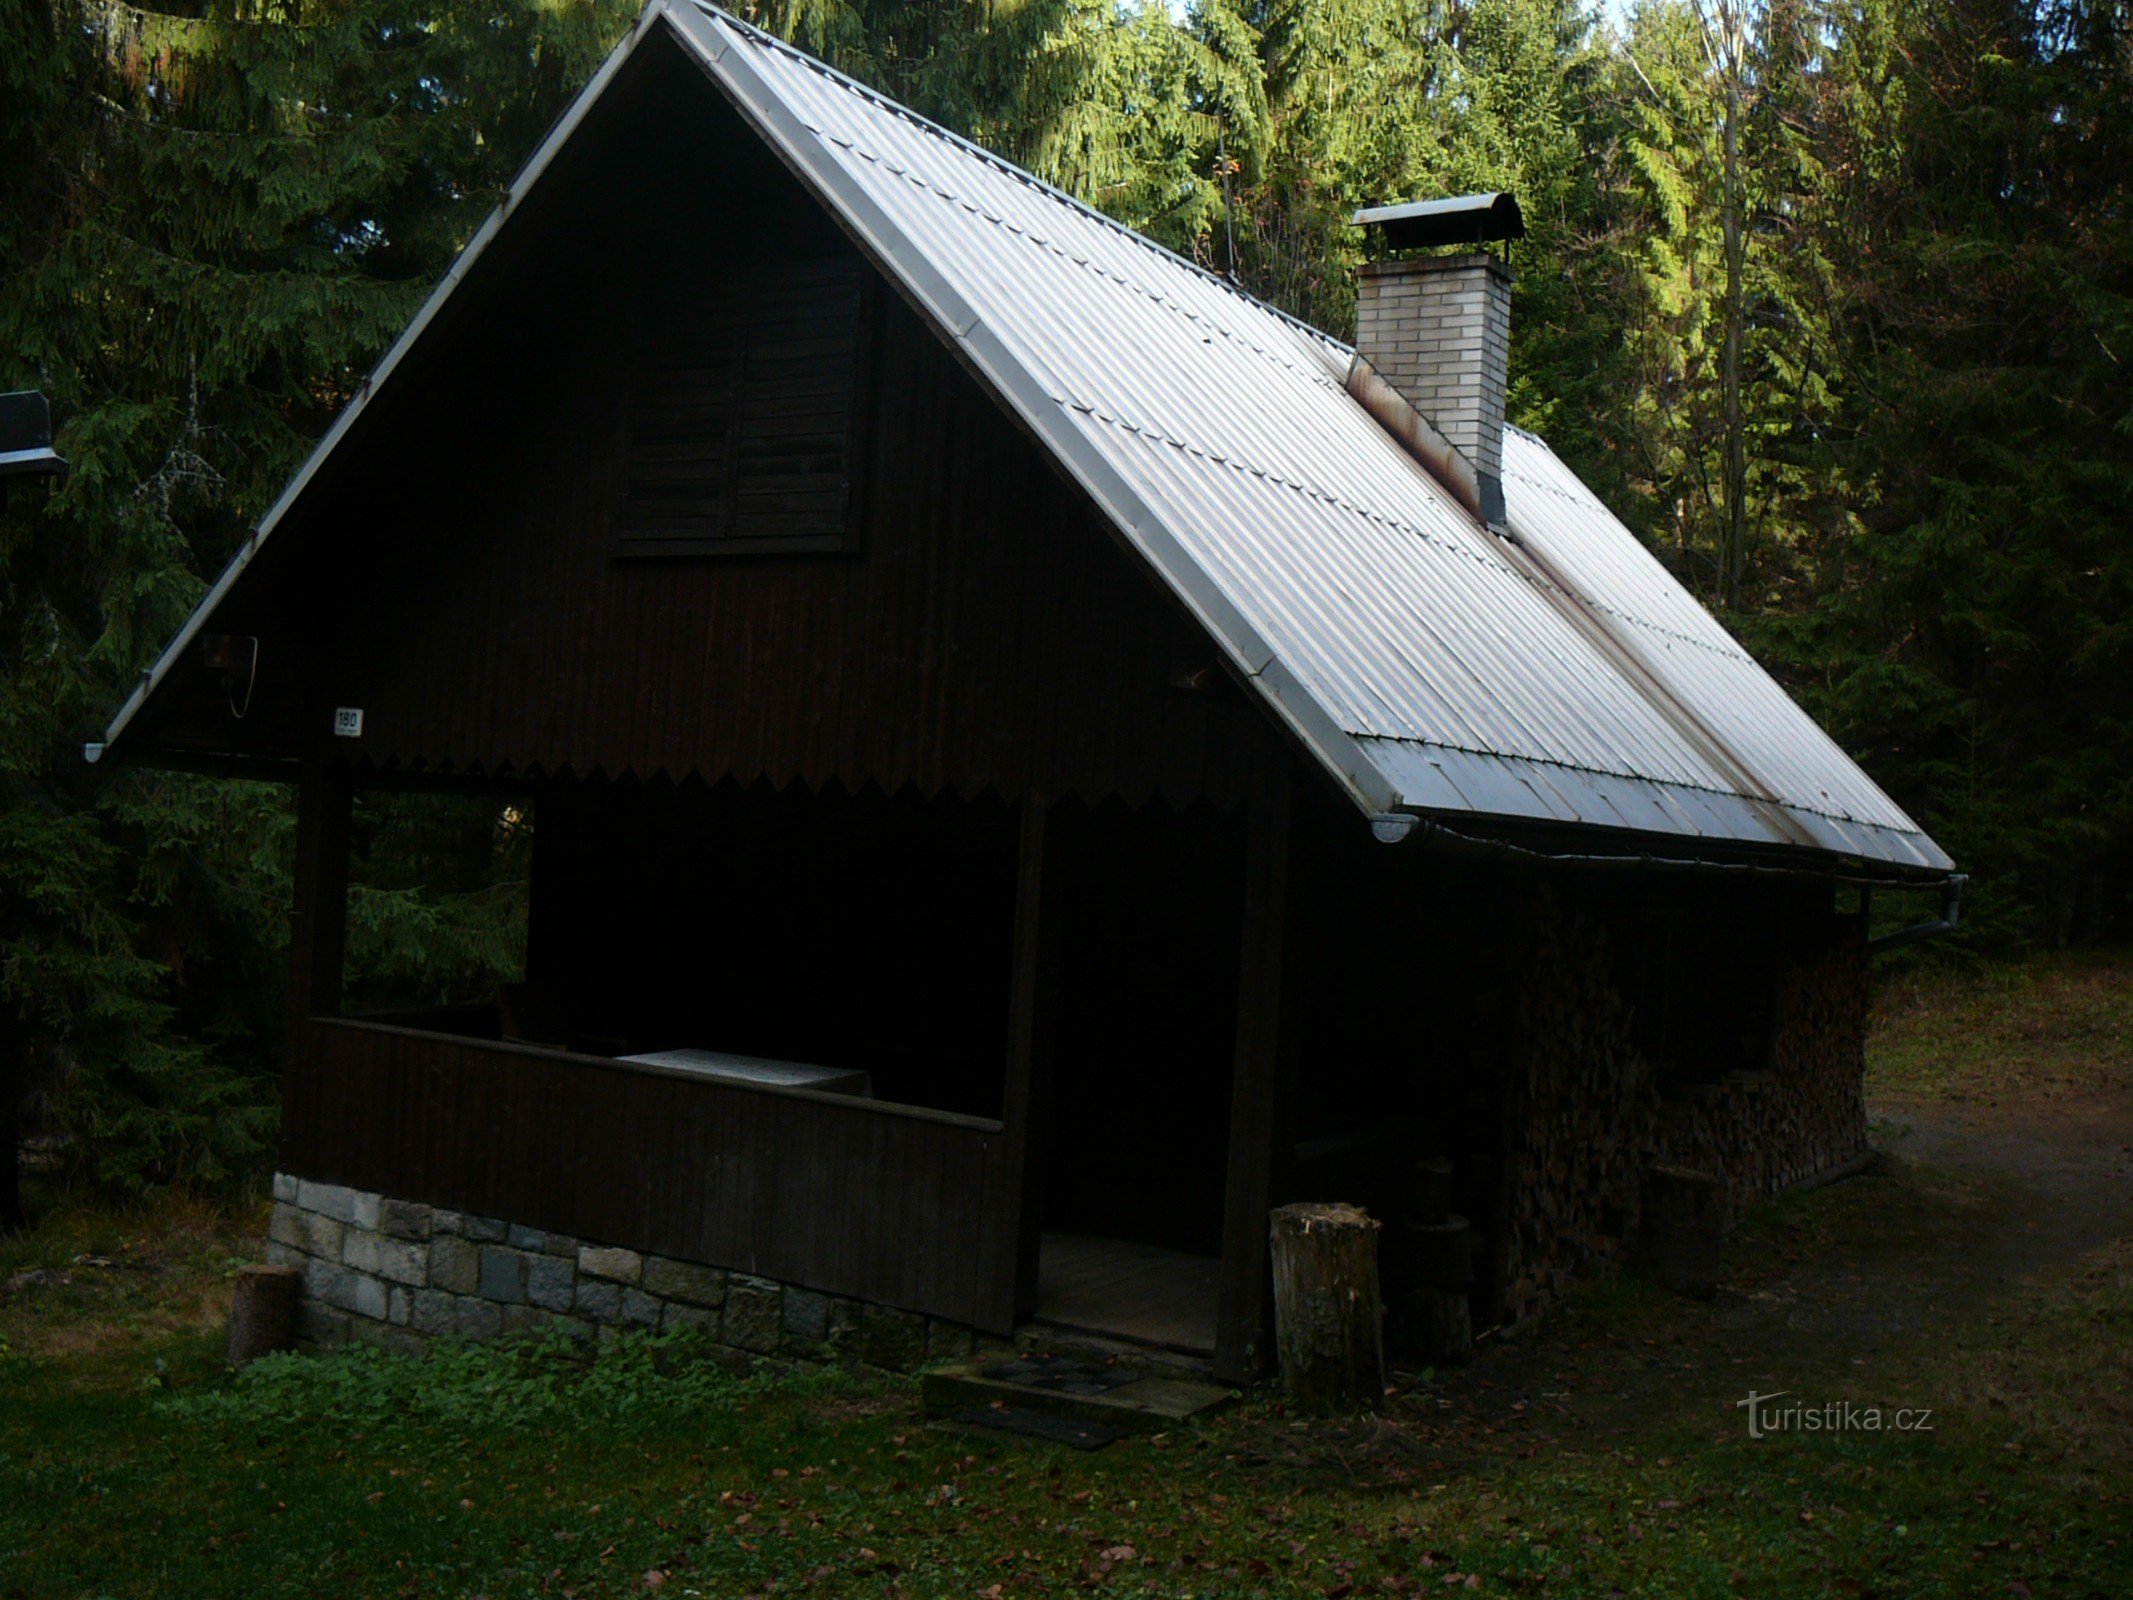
400,1273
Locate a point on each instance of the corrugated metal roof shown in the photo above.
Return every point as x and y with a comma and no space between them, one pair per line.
1562,675
1433,665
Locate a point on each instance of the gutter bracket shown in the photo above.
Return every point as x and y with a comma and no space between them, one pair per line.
1950,918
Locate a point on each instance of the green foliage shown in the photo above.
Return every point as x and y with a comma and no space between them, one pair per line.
476,1391
1977,608
144,1099
213,218
437,900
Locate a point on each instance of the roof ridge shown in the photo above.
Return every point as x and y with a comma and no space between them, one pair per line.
992,158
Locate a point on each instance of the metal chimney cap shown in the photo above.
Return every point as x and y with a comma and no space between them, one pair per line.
1464,219
26,435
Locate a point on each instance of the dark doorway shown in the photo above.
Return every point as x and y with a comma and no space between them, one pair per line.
1137,1135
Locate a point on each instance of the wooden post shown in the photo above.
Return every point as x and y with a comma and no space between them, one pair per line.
1428,1265
1255,1122
263,1312
1681,1231
1031,1022
1328,1316
318,932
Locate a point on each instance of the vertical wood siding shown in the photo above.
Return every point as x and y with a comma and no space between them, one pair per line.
458,578
986,634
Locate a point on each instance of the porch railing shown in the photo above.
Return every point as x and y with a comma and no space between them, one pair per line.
896,1204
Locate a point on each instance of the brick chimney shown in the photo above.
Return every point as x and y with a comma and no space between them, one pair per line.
1433,341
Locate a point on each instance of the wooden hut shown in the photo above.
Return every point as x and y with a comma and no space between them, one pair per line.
1034,757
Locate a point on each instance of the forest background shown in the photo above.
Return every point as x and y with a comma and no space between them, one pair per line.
1831,300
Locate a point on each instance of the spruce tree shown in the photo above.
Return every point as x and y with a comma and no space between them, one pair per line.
213,220
1972,621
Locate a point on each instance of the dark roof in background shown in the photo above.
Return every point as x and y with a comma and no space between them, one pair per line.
26,435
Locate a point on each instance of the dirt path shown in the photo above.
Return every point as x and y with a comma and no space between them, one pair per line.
2067,1162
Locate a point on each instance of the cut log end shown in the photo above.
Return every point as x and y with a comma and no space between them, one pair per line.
1683,1231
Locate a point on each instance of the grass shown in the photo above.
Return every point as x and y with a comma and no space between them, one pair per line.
1602,1457
518,1474
2051,1027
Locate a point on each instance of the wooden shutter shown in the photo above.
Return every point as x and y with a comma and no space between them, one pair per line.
742,419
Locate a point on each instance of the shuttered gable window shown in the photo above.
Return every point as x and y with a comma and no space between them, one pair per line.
743,418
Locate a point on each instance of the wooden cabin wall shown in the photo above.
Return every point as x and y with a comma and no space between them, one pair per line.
1557,1031
465,590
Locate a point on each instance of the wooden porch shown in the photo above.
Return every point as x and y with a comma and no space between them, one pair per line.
1140,1293
926,1209
897,1204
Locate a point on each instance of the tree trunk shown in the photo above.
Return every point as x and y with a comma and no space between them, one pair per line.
1733,531
1328,1315
13,1082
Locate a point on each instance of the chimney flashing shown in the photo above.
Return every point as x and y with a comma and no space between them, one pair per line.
1419,437
1432,358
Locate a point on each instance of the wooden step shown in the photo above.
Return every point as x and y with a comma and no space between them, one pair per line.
1112,1397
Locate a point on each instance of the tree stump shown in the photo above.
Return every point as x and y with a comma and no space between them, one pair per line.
1682,1231
263,1312
1328,1315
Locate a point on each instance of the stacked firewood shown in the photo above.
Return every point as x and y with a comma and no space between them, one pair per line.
1577,1109
1582,1118
1762,1132
1819,1058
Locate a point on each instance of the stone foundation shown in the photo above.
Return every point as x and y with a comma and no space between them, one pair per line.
399,1273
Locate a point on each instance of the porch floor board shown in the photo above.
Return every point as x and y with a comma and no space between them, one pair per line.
1141,1292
